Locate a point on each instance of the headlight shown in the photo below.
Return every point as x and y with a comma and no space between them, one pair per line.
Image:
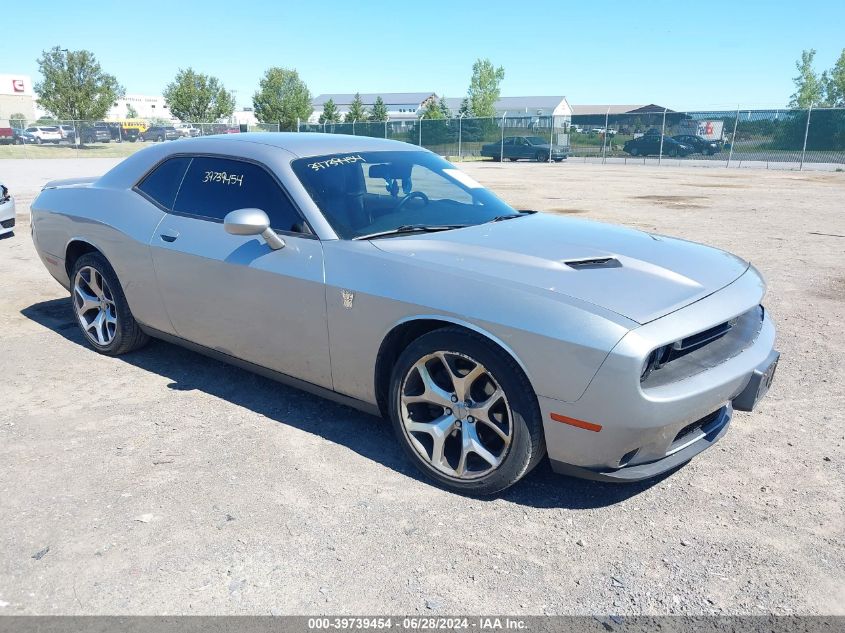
656,360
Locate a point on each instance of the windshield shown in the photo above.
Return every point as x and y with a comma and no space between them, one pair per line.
536,140
363,193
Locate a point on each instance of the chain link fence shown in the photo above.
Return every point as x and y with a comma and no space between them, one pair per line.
57,138
782,138
787,138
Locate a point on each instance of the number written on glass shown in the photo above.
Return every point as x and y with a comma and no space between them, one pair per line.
224,178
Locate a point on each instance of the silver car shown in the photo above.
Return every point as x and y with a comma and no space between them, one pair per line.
7,211
377,274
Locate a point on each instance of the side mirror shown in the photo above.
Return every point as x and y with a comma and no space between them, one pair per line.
252,222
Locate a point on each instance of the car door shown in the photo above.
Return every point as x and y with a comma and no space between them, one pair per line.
233,293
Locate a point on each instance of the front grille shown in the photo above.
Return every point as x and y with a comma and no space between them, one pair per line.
7,224
689,429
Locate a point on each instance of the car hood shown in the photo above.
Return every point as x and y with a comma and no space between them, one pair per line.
646,276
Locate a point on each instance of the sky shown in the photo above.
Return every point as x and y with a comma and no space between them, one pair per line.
680,54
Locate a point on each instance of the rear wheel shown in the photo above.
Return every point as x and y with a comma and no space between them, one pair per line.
101,309
465,413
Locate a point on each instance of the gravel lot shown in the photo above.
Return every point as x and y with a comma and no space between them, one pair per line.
163,482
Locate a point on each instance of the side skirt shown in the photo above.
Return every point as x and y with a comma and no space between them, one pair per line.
290,381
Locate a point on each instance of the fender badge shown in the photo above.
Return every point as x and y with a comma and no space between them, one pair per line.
348,297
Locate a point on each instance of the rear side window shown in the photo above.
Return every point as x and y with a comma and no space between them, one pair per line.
215,186
163,182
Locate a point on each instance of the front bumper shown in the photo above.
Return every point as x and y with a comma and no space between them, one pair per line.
631,432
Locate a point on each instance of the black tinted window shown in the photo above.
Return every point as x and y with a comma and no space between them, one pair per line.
163,182
215,186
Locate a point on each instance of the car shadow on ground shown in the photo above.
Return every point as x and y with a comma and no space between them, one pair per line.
367,435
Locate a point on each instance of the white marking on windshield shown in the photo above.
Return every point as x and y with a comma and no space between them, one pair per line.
464,179
335,162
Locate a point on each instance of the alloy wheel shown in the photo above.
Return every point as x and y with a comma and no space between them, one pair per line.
455,415
94,305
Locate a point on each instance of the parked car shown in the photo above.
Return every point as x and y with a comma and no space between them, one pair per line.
22,137
376,273
159,133
699,144
649,145
98,133
45,134
7,211
68,133
187,130
531,147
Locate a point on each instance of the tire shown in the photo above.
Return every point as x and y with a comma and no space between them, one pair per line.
511,452
38,140
159,139
513,160
542,157
633,151
107,323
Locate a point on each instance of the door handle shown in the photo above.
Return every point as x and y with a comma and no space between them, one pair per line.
169,235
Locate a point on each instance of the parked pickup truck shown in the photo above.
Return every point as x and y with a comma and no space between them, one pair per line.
7,135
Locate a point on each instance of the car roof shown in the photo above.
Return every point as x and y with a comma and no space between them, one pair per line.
307,143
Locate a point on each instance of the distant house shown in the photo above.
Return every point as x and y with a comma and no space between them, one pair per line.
400,105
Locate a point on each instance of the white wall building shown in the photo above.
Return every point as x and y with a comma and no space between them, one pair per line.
147,106
16,97
556,106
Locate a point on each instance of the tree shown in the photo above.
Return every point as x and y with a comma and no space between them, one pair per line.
444,109
131,112
282,97
464,109
484,88
74,85
356,110
379,111
808,86
19,118
193,96
330,113
432,110
834,83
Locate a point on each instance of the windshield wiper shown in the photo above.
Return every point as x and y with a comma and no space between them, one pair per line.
500,218
412,228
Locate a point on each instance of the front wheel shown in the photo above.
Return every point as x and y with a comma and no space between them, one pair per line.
465,413
101,310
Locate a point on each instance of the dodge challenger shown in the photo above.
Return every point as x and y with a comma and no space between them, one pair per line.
377,274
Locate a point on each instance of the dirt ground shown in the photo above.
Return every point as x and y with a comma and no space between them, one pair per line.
163,482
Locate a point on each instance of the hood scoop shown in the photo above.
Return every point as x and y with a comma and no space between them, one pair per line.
593,262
